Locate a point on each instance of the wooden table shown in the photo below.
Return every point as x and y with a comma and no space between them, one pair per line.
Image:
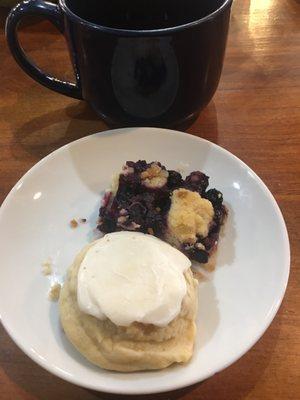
255,114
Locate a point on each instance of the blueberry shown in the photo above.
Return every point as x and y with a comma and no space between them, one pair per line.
155,221
215,197
136,212
200,255
195,254
197,182
139,166
174,180
210,241
102,211
107,224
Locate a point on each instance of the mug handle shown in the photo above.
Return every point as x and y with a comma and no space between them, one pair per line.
52,13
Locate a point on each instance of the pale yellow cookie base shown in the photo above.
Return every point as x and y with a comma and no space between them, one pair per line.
134,348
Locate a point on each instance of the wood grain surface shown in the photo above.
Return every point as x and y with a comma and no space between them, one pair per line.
255,114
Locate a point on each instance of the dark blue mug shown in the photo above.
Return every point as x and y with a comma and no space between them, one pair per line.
136,62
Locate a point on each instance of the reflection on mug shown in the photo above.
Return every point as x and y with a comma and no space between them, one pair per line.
145,76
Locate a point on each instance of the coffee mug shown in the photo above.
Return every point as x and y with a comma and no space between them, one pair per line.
136,62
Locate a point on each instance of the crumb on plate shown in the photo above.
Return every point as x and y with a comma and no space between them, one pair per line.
54,292
47,267
73,223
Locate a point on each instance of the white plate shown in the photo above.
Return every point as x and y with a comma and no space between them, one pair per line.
235,306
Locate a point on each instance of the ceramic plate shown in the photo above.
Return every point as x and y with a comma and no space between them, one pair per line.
236,304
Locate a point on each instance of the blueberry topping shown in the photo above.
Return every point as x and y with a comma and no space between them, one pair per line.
197,182
143,208
175,180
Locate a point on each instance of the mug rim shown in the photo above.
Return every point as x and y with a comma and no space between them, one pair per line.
143,32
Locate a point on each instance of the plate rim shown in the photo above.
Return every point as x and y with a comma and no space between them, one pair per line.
188,382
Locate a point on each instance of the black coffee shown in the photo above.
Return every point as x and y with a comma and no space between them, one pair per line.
142,14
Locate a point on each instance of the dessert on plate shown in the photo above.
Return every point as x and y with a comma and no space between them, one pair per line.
129,303
130,298
146,197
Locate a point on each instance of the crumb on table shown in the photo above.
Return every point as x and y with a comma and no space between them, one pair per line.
54,292
47,267
83,220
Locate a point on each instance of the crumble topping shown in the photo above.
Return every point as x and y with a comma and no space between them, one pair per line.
190,216
115,183
154,176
